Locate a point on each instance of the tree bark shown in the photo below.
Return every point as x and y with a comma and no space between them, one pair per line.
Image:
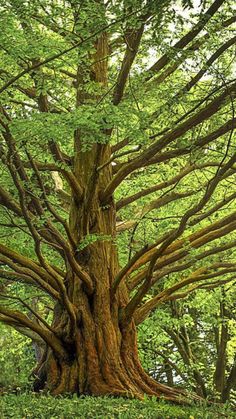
220,368
101,359
101,355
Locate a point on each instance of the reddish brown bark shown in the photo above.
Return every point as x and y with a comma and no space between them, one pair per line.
91,345
102,359
101,355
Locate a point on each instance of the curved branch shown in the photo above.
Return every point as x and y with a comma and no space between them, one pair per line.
194,47
186,39
168,138
171,264
29,309
9,202
178,251
133,38
29,275
15,318
197,276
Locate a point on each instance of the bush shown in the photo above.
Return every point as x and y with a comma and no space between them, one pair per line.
16,358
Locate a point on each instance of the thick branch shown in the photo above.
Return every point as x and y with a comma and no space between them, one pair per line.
133,38
15,318
9,202
179,252
197,276
164,141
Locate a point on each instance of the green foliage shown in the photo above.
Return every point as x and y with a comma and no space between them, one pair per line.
46,407
35,30
16,358
194,324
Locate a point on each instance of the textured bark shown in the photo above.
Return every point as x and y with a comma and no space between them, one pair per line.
101,355
230,383
99,352
91,345
102,359
222,384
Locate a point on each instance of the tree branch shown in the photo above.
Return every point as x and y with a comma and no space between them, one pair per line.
164,141
186,39
15,318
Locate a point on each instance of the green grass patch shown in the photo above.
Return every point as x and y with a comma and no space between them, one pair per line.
30,405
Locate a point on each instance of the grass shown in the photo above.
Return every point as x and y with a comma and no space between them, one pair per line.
30,405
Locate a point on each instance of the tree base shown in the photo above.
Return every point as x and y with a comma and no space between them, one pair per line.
101,358
128,381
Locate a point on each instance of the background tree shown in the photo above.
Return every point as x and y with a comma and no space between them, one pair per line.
192,343
89,129
16,360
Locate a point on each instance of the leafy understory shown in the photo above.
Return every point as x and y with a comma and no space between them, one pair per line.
30,406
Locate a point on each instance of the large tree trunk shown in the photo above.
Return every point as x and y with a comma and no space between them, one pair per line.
101,359
101,355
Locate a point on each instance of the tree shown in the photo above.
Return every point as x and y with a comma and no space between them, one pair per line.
192,342
16,360
84,121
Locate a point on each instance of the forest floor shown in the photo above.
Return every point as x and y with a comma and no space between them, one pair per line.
34,406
